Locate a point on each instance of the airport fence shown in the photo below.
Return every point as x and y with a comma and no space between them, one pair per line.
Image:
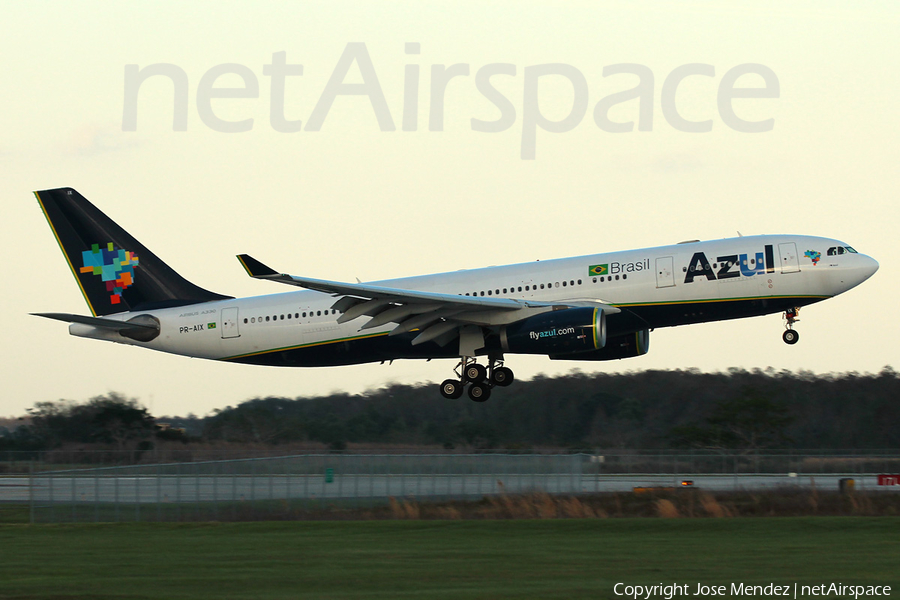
277,487
605,460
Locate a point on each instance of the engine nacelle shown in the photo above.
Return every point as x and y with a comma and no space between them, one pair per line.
619,346
562,332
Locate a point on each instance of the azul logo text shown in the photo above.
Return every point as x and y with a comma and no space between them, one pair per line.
730,265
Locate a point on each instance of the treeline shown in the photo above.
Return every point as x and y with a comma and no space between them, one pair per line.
737,410
111,422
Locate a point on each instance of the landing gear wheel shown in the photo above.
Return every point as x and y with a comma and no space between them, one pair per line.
452,389
502,376
479,392
475,373
790,336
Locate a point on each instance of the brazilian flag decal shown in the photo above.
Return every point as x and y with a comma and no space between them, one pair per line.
211,325
598,269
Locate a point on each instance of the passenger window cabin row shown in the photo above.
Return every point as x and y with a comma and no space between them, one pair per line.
535,287
494,292
296,315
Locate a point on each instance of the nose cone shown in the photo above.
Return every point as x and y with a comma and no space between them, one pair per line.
868,267
859,270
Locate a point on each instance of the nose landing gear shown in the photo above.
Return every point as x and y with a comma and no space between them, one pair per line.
479,378
790,317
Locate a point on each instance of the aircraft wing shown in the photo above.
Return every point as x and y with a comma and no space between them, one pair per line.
436,315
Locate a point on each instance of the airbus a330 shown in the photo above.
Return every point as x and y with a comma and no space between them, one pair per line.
586,308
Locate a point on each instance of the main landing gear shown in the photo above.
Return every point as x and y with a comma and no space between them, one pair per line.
790,317
479,378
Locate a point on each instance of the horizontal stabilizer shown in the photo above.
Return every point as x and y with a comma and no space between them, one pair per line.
142,327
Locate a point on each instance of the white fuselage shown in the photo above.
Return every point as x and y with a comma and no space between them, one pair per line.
649,281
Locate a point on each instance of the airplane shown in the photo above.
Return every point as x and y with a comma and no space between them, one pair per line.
587,308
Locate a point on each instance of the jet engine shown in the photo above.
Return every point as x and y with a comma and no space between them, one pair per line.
561,332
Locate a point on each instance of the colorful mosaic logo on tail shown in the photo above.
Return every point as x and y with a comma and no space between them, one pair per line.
114,266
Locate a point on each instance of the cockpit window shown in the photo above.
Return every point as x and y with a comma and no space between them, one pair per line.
841,250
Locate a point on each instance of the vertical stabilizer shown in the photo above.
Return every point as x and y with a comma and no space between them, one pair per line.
115,272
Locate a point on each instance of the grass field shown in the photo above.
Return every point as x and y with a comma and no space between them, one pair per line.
518,559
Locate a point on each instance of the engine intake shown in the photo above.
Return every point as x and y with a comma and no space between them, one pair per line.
560,332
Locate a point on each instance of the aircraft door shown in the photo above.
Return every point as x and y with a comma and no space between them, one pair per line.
230,327
665,272
790,262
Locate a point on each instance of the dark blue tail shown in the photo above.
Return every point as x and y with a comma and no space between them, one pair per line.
115,272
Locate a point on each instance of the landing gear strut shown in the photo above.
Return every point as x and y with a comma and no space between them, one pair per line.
790,317
479,378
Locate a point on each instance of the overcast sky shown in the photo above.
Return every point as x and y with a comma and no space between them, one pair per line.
353,200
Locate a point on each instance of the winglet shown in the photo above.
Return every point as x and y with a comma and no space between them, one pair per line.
255,268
